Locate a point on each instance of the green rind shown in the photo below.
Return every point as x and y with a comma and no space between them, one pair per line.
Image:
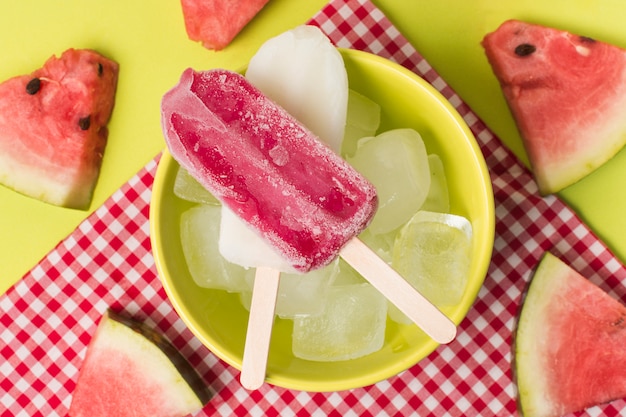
568,345
567,96
551,180
530,333
53,137
188,373
130,369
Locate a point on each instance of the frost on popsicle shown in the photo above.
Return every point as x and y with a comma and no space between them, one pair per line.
266,166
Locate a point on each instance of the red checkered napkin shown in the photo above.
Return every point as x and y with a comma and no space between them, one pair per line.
47,319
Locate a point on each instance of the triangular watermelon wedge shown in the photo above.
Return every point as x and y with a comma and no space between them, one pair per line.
53,127
215,23
570,343
131,370
567,94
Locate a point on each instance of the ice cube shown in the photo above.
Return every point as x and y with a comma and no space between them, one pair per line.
347,275
382,244
305,294
363,120
396,163
438,199
433,253
199,229
187,188
352,325
396,315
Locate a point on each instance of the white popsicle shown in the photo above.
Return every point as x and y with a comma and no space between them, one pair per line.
304,73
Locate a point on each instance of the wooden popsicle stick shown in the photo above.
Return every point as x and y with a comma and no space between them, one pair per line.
397,290
260,323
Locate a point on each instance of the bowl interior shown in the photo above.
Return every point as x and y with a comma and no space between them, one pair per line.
218,319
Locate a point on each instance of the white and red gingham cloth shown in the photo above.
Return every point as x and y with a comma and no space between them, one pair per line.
47,318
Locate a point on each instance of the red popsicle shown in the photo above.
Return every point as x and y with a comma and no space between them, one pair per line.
266,166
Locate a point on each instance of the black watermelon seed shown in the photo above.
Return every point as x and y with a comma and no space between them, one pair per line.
100,69
84,122
524,49
33,86
586,39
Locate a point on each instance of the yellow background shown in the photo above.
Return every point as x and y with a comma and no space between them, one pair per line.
148,39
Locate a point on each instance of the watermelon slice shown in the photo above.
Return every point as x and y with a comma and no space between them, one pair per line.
567,94
53,127
131,370
569,343
215,23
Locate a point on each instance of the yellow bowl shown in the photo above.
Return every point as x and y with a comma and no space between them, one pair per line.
218,319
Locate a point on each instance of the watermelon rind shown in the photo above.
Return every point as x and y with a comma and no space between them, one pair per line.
131,369
181,364
53,135
569,343
531,338
567,95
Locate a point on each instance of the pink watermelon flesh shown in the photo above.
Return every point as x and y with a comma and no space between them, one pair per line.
569,344
215,23
567,94
131,370
53,127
